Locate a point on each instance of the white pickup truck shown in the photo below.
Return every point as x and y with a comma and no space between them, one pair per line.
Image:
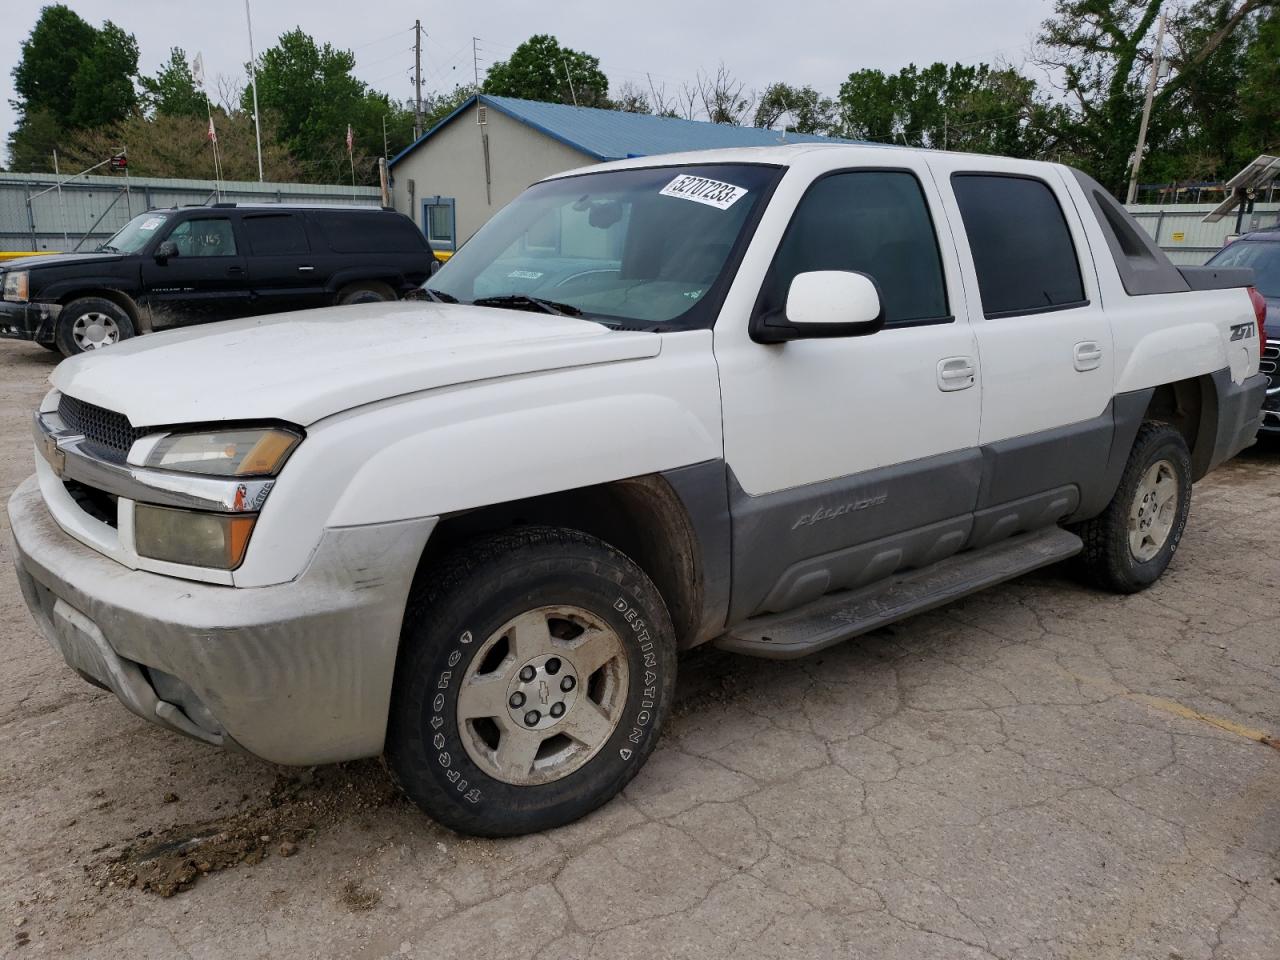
768,399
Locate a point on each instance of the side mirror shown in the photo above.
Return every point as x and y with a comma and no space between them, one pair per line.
825,303
434,267
165,251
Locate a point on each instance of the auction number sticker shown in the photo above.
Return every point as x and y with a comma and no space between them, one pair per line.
151,223
714,193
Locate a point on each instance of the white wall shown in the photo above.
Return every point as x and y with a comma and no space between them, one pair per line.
451,164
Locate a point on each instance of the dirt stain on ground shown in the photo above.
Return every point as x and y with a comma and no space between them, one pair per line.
281,824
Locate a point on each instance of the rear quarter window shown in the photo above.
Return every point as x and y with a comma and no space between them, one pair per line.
359,232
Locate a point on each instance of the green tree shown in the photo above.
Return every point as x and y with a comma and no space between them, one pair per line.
50,57
1258,102
980,109
312,96
1103,51
801,109
103,85
172,91
541,69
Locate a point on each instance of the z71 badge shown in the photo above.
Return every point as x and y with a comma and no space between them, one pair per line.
1244,331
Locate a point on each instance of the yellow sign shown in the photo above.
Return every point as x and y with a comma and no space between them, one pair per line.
1178,236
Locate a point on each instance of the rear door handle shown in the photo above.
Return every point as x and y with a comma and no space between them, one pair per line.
1088,356
956,373
305,268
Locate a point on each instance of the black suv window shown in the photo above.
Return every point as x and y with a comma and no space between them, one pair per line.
1022,249
275,234
371,232
875,222
204,237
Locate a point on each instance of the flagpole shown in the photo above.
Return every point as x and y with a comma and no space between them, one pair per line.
253,82
351,155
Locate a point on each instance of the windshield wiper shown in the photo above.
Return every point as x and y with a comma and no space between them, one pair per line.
106,247
521,301
439,296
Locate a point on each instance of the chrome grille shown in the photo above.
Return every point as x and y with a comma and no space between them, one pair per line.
1270,359
108,434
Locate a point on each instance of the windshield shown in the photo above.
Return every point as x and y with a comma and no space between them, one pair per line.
645,245
135,234
1262,255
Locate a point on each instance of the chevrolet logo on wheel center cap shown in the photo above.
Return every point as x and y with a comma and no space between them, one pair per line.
544,692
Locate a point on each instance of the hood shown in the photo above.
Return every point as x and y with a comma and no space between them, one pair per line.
58,260
300,367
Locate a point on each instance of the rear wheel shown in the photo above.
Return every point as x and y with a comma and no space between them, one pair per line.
536,669
91,323
366,292
1129,545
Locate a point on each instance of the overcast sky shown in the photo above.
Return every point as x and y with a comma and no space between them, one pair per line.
817,42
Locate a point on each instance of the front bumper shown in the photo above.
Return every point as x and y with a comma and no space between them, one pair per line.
298,673
28,321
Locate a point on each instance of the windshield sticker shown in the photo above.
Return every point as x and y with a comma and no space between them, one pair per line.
151,223
713,193
524,275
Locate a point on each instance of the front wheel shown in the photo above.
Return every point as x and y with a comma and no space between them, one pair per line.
91,323
1128,546
536,669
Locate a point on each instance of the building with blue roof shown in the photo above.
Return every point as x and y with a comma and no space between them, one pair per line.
474,161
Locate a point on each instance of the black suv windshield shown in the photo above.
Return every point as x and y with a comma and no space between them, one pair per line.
135,234
646,245
1262,255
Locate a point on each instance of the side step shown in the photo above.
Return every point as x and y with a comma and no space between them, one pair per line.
839,616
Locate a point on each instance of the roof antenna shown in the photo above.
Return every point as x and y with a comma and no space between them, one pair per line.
565,64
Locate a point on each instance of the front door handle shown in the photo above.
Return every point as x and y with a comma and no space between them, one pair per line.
305,268
956,373
1088,356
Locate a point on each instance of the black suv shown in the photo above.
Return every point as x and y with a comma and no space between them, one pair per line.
1261,251
171,268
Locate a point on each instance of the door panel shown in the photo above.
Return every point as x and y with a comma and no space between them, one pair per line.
206,281
285,273
861,435
1044,340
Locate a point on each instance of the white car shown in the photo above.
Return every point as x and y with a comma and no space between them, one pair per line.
768,399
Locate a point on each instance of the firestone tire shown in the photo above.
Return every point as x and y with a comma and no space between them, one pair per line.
1128,546
504,646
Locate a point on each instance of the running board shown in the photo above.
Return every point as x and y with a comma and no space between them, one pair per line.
839,616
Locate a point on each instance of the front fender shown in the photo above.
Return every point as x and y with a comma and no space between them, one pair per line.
490,442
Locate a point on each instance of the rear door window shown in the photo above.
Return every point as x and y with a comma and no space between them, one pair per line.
869,221
1022,248
276,234
372,232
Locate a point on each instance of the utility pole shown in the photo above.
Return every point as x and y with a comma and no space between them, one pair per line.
1157,60
417,79
475,62
253,80
573,93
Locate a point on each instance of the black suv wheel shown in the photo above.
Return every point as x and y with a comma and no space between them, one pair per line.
91,323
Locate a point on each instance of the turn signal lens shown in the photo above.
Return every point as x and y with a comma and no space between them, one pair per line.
252,452
191,537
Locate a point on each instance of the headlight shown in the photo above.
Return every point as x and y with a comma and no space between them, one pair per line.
17,285
251,452
191,537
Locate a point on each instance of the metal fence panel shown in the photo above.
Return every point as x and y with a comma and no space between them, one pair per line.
1180,232
86,211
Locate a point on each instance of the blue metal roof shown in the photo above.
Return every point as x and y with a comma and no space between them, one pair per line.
614,135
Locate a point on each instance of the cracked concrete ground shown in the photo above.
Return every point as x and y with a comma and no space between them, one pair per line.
1039,772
